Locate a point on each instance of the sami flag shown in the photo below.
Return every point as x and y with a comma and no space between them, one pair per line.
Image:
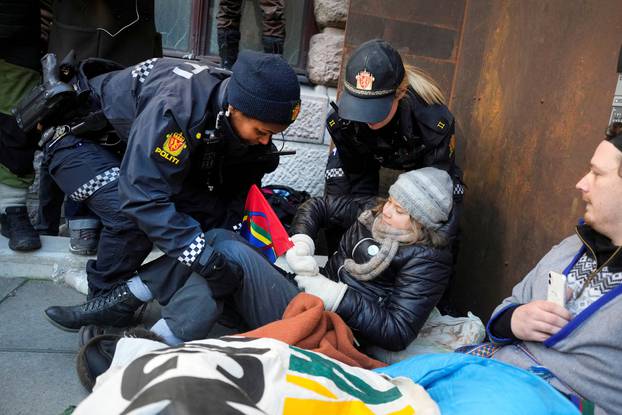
262,228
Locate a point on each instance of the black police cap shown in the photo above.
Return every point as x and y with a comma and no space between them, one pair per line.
373,74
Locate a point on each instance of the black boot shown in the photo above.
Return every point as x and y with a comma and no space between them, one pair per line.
112,308
228,46
272,44
17,227
96,353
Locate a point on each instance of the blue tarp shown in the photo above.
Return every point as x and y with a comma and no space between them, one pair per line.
465,385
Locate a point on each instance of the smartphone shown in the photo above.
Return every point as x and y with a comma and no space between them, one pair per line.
557,288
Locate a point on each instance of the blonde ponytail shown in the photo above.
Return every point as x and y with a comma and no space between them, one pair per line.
423,84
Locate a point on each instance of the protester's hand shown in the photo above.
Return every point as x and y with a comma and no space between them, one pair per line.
299,257
303,244
538,320
329,291
301,264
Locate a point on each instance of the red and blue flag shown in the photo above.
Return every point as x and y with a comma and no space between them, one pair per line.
262,228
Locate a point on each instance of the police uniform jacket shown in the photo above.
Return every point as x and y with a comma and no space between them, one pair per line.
389,310
173,174
419,135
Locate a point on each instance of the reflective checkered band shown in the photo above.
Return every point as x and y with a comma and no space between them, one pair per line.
193,251
87,189
142,70
458,189
332,173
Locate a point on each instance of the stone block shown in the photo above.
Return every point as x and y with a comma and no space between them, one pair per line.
302,171
331,13
53,262
309,127
325,55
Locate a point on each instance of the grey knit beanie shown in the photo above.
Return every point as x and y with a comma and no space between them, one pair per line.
427,195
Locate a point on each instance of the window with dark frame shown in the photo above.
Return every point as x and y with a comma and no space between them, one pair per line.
188,29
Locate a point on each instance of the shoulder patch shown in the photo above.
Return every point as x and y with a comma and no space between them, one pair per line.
172,147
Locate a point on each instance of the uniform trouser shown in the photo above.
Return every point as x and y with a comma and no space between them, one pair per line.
230,13
88,172
51,199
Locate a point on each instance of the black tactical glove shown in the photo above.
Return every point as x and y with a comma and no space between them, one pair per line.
222,276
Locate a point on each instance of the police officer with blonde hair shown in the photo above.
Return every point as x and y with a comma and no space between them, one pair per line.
393,116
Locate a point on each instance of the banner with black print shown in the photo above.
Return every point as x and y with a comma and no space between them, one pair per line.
237,375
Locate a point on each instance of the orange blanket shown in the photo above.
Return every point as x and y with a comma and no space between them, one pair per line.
305,324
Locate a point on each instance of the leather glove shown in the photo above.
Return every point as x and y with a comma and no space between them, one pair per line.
222,276
300,257
331,292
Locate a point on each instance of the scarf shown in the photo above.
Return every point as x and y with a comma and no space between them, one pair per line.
390,239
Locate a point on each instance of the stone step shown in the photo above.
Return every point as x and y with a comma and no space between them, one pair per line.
54,262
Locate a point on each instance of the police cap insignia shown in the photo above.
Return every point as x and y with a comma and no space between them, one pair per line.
364,80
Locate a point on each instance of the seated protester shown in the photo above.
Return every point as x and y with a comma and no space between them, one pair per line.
392,266
576,346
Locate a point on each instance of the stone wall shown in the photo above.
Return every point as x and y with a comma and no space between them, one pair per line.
308,136
326,47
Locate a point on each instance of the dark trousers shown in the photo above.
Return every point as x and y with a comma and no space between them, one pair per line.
262,292
230,13
122,245
191,304
51,199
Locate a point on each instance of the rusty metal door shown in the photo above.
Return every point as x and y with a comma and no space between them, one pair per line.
533,89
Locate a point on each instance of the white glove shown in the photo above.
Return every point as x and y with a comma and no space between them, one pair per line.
301,264
299,257
303,244
329,291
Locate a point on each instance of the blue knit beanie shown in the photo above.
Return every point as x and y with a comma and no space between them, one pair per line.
263,86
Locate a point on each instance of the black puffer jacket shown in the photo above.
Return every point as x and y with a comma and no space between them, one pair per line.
389,310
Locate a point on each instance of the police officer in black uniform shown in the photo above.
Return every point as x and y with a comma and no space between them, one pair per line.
388,116
188,143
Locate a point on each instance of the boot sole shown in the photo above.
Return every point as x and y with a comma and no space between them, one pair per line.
82,252
57,325
24,248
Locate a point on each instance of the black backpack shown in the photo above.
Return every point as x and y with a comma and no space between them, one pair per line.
285,201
